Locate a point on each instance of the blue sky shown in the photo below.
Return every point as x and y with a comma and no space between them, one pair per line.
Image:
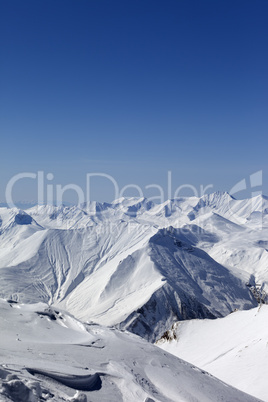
133,89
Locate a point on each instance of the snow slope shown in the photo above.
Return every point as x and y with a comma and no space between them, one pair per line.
48,355
119,264
233,348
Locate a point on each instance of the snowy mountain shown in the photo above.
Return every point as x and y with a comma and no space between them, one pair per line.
233,348
48,355
136,265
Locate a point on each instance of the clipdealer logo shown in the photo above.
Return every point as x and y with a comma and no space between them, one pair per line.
48,192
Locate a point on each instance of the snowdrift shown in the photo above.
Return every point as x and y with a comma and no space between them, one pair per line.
48,355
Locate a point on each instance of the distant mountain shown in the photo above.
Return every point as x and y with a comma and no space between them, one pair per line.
20,204
136,265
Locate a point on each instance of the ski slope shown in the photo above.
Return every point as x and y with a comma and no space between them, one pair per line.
233,348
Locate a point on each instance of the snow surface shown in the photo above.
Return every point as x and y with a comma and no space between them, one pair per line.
233,348
48,355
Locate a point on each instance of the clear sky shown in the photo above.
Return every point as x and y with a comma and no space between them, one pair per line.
133,89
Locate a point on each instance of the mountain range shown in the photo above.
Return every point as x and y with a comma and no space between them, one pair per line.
136,265
189,274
